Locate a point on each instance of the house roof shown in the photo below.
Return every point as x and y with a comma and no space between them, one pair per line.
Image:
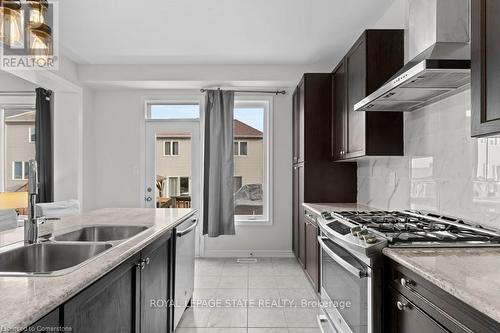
24,117
241,130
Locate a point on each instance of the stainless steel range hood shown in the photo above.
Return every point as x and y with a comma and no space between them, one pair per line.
438,44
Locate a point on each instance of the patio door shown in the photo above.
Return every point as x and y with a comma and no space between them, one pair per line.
173,165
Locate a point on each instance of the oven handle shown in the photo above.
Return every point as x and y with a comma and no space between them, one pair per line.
350,268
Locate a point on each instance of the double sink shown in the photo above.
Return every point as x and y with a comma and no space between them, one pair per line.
61,254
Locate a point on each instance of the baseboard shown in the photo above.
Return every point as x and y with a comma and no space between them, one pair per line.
248,254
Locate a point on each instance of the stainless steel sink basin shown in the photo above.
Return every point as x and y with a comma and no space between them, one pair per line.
100,233
48,258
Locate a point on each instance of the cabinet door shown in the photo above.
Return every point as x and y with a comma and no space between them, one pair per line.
356,91
49,323
485,67
155,286
312,253
302,227
108,305
339,118
295,213
301,124
405,317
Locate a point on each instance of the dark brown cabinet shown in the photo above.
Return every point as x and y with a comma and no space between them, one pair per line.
109,305
374,58
312,253
49,323
413,305
485,68
131,298
315,177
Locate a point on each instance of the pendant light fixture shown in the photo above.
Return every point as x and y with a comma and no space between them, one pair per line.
11,23
40,41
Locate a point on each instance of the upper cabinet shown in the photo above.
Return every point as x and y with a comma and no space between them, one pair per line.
374,58
485,68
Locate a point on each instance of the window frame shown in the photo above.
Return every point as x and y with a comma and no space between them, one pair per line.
187,101
258,101
178,185
171,144
30,134
24,167
238,144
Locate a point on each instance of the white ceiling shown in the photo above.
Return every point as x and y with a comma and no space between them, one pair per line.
213,32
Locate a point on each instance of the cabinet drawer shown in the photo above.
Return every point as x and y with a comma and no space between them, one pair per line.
406,317
447,310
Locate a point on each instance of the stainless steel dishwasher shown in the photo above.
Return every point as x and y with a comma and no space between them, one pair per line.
184,266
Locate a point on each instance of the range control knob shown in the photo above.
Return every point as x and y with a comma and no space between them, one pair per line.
355,231
362,234
370,239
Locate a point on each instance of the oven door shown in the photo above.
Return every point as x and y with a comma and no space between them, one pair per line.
345,288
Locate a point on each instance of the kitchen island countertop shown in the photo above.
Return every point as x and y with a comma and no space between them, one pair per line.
27,299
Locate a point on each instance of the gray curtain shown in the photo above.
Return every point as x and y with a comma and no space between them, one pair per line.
43,146
218,200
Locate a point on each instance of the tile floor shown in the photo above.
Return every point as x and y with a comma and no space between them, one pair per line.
263,297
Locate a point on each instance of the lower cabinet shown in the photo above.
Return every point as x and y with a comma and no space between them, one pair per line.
312,254
413,304
49,323
109,305
131,298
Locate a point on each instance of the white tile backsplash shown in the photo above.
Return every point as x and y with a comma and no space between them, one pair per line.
443,170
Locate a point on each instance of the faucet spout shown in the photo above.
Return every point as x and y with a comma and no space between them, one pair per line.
31,223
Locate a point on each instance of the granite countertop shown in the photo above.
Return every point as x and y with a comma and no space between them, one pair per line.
470,274
318,208
27,299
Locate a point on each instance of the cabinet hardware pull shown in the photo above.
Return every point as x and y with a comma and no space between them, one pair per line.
407,283
148,261
402,306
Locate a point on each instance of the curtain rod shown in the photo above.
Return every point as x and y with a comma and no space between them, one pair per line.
276,92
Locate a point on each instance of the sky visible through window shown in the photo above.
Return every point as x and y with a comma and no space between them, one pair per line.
253,117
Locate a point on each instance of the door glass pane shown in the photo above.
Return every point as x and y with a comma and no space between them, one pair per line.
173,174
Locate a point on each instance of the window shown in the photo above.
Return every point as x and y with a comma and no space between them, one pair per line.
252,173
20,170
178,186
31,135
184,186
240,148
171,148
173,110
172,186
237,182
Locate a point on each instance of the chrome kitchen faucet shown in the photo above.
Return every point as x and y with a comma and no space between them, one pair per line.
31,223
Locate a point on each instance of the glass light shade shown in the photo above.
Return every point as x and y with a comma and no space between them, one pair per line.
11,31
37,15
13,200
40,43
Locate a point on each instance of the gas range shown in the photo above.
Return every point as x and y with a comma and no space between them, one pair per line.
376,229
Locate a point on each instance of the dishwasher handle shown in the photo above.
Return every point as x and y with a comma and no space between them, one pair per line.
186,231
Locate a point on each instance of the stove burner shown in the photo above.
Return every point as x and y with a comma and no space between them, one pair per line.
412,227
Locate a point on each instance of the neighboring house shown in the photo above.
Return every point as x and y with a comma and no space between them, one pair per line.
173,151
19,148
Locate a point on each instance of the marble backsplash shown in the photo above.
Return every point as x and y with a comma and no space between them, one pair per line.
443,170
